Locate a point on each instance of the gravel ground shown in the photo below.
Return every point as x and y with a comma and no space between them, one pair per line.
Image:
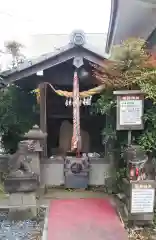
135,232
139,233
21,230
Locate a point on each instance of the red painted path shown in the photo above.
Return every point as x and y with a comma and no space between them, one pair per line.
84,219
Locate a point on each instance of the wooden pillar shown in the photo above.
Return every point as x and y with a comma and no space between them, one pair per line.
43,116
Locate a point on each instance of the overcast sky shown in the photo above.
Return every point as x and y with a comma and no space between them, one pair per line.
19,19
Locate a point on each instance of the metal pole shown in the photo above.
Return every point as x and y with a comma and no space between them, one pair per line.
129,137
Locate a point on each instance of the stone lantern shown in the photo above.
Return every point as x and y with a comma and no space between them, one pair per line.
35,136
138,188
135,157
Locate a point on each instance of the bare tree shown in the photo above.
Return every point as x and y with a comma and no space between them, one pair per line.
14,48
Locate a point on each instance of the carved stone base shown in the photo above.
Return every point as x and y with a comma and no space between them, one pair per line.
18,184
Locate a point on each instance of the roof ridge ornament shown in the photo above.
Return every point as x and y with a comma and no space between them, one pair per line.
77,38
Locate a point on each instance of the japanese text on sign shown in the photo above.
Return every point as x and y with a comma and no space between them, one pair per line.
142,200
130,110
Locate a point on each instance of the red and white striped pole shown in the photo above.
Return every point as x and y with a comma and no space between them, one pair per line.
76,139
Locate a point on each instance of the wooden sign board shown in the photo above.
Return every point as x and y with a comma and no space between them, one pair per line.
130,105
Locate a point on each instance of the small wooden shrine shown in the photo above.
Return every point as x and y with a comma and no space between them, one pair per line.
53,75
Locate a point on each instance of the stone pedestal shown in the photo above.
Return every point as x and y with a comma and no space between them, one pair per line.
22,199
17,184
22,196
22,206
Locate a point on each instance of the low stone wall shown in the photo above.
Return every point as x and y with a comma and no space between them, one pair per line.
52,172
100,170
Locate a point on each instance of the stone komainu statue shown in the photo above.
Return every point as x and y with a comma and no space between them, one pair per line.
20,177
19,162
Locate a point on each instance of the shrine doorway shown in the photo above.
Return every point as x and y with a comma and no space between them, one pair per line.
60,127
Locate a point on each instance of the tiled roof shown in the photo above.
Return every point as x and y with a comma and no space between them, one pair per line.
93,46
133,18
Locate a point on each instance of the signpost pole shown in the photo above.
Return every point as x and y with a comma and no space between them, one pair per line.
129,137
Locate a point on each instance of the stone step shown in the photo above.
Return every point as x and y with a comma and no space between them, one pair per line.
64,194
